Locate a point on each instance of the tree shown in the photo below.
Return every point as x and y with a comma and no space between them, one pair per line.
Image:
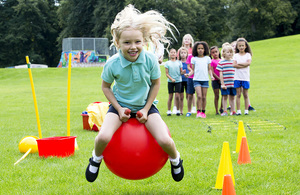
260,19
30,31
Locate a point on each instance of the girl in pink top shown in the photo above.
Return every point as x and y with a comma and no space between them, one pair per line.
216,85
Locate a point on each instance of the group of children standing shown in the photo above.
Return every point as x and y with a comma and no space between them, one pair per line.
191,68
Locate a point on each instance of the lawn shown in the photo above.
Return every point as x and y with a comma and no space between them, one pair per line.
272,132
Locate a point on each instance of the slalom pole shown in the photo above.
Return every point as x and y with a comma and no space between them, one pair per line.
34,98
68,100
69,92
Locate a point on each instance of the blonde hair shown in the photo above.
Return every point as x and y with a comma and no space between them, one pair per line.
226,47
191,38
183,48
151,23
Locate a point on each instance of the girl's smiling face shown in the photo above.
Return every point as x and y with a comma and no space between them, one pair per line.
200,50
241,46
131,44
215,53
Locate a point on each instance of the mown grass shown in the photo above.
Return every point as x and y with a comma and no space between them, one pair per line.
272,132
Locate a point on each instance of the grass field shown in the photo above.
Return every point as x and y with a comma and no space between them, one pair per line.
272,132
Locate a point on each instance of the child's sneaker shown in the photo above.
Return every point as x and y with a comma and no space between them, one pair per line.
169,113
221,110
198,114
178,113
194,111
238,112
228,108
174,110
188,114
224,113
246,112
251,108
90,175
203,115
232,113
177,177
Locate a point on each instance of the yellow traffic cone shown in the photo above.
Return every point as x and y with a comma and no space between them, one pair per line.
225,166
241,133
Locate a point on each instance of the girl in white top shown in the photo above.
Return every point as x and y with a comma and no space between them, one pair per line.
201,69
241,61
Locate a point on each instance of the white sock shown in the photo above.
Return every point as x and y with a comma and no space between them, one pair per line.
175,162
96,159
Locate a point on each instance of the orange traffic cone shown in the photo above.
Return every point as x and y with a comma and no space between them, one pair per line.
244,155
228,188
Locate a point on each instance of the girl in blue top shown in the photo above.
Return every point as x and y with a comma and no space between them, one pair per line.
174,70
136,74
201,69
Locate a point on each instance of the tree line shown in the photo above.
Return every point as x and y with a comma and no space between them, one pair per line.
37,27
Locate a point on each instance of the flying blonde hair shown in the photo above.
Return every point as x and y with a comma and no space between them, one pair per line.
151,23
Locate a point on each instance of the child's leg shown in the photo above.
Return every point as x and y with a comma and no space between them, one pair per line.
110,125
177,100
170,101
189,101
216,100
204,93
231,103
199,97
238,98
224,99
246,98
181,102
158,130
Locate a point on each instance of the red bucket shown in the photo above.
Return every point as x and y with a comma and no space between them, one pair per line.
56,146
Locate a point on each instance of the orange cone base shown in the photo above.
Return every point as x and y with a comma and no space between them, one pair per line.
228,188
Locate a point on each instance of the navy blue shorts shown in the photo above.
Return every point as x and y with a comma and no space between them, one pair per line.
152,110
244,84
183,86
216,84
190,86
228,91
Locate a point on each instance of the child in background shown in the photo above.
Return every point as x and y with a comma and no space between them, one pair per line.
136,77
201,69
241,61
188,43
173,72
250,108
226,69
216,85
183,53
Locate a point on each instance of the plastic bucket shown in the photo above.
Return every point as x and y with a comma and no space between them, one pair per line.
56,146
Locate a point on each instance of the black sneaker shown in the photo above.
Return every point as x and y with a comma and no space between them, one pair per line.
228,108
179,176
91,177
221,111
251,108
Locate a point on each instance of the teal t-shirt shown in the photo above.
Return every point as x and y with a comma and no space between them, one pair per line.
132,79
174,70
